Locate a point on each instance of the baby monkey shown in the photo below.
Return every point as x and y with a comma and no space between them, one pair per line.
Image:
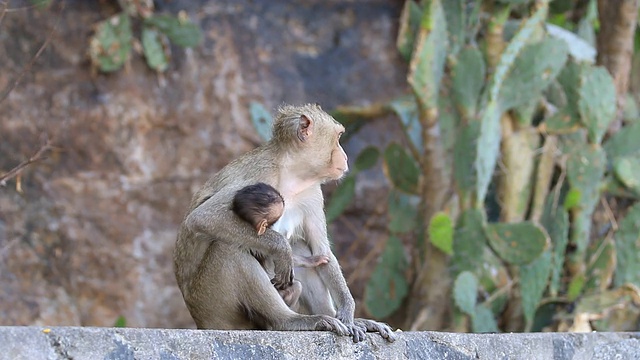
261,205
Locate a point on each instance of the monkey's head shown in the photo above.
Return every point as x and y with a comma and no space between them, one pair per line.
311,138
260,205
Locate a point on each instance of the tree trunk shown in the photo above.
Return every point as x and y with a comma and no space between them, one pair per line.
618,21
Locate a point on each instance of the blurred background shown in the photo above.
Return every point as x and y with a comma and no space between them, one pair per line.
494,148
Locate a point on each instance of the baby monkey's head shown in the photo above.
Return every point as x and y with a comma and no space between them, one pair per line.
260,204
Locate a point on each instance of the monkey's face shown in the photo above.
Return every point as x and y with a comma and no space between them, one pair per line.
315,136
272,215
338,162
327,156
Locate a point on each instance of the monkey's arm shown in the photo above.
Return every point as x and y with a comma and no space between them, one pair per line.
315,230
214,217
332,277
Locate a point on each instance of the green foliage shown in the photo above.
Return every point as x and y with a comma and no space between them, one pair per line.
468,81
555,220
407,110
401,168
402,212
483,320
468,241
575,287
573,199
579,49
627,170
181,32
602,263
388,286
464,156
533,282
261,119
154,50
628,248
110,46
585,169
455,12
427,64
341,198
120,322
624,143
493,80
409,24
40,4
597,104
487,149
517,243
441,232
465,292
531,73
367,158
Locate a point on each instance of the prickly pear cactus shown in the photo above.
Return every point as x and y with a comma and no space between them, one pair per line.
388,286
468,81
532,73
110,46
533,282
597,104
585,168
628,249
465,292
468,241
427,65
517,243
154,50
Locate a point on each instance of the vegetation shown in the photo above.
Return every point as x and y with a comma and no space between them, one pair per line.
516,185
111,44
505,182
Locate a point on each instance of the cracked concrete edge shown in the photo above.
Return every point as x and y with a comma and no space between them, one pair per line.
173,344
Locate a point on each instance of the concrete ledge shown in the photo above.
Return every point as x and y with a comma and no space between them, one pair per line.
130,343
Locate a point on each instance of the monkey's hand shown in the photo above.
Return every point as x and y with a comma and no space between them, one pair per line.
283,277
374,326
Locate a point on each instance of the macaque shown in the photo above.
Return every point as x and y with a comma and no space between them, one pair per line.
261,206
223,283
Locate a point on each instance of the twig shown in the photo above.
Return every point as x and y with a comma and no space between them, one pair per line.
29,65
39,155
607,210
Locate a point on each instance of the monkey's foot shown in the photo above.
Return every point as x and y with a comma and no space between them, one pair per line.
356,332
283,279
374,326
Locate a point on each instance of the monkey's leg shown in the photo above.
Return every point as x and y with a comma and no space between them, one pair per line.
291,295
309,261
264,305
316,299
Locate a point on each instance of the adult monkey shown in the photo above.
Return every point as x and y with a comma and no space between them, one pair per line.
223,284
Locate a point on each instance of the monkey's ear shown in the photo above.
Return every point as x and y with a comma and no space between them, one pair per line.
262,226
304,128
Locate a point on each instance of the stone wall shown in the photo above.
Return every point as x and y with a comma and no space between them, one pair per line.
124,344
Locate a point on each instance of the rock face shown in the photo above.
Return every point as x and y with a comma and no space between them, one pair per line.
110,343
89,238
